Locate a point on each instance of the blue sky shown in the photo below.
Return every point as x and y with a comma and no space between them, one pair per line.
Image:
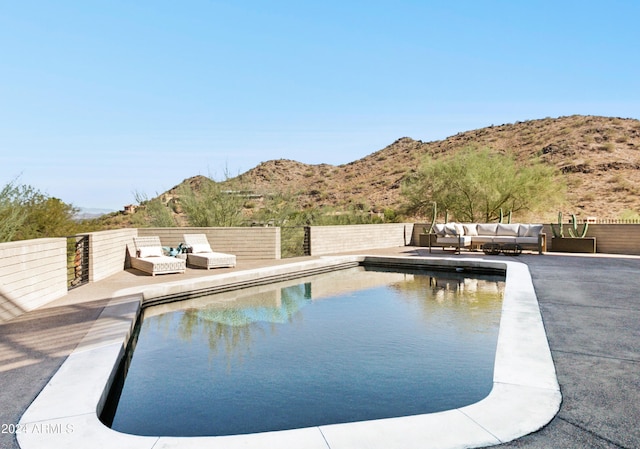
101,99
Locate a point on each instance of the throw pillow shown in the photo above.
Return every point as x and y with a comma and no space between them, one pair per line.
534,230
150,251
507,230
201,248
450,230
487,228
523,230
471,229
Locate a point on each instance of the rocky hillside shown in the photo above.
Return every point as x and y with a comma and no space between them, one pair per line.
599,157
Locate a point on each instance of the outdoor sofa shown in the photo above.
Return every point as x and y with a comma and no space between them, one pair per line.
475,235
150,258
200,254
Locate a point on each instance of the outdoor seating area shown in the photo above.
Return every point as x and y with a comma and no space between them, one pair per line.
149,257
200,254
588,343
494,237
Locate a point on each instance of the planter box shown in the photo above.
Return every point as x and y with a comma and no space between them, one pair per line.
574,245
423,239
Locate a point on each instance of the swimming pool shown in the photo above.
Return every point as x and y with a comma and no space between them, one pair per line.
525,394
352,345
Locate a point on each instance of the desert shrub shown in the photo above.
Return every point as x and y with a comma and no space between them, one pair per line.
608,147
390,215
209,205
27,213
474,184
156,212
630,215
11,199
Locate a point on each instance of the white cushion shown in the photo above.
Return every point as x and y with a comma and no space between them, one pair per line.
527,240
470,229
439,229
464,240
534,230
507,230
487,228
483,238
201,248
453,229
523,229
505,239
150,251
530,230
450,229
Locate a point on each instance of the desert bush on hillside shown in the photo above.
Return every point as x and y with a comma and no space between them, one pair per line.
210,205
48,217
10,214
158,214
474,184
26,213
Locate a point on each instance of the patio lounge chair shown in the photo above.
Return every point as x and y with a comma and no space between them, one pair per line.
151,259
203,256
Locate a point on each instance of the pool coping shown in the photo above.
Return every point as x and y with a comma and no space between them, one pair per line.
524,398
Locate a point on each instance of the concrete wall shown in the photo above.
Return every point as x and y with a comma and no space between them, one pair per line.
108,252
339,239
32,273
611,238
245,243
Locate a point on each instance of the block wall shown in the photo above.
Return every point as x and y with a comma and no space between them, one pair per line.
340,239
32,273
108,252
611,238
246,243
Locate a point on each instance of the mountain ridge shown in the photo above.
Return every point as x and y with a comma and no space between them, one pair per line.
598,157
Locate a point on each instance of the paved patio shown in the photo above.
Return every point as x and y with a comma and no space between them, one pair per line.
589,305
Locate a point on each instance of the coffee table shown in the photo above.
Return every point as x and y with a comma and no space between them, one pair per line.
508,249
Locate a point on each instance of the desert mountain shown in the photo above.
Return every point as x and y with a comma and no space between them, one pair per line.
599,158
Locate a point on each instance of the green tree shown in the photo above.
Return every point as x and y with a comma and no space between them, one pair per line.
12,197
278,208
26,213
474,184
159,214
47,217
208,204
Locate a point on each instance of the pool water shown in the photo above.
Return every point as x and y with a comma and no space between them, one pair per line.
351,345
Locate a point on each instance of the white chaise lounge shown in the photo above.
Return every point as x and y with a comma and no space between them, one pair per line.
200,254
150,258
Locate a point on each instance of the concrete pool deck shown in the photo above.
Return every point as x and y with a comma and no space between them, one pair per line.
588,304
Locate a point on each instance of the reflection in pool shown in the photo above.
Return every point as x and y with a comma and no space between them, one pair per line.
350,345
